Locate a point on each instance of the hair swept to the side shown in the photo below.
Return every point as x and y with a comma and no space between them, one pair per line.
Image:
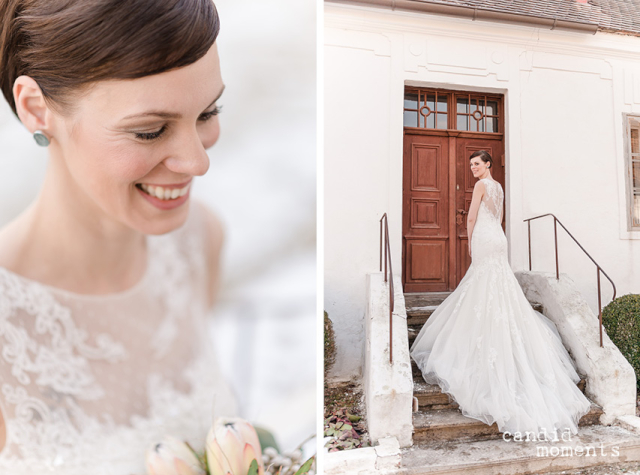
65,45
484,156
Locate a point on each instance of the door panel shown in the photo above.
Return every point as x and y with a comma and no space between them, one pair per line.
425,220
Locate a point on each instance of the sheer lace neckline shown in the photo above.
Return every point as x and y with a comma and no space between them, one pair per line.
136,288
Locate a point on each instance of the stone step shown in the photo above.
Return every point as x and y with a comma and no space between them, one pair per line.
499,457
423,299
417,316
430,396
450,425
415,371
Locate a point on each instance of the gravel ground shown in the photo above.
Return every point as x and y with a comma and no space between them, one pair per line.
630,468
349,396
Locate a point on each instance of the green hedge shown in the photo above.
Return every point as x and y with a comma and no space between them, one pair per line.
329,345
621,319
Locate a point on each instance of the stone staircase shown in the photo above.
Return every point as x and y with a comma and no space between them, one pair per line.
438,417
445,441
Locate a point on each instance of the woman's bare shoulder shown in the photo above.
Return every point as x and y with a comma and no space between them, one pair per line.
214,235
3,431
213,226
479,187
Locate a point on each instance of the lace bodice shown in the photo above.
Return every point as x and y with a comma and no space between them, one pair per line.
492,200
488,242
89,382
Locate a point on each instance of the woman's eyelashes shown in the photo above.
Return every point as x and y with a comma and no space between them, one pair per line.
208,115
150,135
205,116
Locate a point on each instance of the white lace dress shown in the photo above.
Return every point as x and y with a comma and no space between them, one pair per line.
498,358
89,382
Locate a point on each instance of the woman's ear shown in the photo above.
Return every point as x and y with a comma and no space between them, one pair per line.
30,105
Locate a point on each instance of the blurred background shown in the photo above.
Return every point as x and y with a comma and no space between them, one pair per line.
262,183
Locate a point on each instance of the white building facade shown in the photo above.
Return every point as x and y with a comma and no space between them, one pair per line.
410,94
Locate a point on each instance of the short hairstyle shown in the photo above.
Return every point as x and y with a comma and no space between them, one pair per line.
65,45
484,156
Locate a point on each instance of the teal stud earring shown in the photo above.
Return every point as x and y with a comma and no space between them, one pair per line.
40,138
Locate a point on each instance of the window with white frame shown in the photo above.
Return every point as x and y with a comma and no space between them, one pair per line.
633,168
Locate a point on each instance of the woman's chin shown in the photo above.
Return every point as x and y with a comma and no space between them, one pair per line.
157,216
163,222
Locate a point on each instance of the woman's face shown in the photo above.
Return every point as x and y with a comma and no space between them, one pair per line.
130,138
478,167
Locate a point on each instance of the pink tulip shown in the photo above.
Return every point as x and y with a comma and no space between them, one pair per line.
232,443
172,457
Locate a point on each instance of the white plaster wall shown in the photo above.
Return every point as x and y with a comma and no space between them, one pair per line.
565,93
356,194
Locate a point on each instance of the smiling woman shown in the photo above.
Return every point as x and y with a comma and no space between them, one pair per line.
107,276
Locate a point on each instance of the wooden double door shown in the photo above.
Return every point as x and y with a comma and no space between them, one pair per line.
437,190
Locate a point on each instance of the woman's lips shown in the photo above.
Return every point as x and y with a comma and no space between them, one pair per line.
170,185
165,204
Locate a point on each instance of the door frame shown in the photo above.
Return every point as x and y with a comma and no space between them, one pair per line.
452,133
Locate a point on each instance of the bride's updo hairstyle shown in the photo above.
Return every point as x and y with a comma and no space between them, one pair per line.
484,156
65,45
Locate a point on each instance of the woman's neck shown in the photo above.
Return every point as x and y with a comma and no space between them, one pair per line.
64,241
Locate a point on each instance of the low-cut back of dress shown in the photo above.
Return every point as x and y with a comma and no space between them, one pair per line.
89,382
497,357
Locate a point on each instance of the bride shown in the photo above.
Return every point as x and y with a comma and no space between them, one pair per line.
500,360
107,277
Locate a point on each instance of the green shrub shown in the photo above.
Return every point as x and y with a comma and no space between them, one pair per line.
621,319
329,344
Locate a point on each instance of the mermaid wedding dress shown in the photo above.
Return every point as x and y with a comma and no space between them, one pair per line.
88,383
486,347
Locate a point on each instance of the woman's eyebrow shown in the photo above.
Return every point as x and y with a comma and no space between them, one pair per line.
169,115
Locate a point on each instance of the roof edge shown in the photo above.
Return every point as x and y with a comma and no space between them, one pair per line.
475,13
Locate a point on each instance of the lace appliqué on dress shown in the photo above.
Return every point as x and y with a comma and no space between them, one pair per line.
89,383
61,364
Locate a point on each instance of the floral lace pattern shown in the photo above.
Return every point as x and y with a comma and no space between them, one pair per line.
490,351
89,382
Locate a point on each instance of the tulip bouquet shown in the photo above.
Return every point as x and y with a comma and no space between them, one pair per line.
232,448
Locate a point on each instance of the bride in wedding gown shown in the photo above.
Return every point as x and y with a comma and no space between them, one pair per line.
500,360
107,278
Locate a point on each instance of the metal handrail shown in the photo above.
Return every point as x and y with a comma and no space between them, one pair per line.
599,269
387,257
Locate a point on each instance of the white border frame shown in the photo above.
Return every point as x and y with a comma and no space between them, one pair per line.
632,230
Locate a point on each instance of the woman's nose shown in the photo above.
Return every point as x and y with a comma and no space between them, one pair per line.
189,156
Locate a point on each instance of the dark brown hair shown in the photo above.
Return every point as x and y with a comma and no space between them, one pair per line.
484,156
65,45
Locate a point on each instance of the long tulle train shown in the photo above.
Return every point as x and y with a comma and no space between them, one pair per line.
498,358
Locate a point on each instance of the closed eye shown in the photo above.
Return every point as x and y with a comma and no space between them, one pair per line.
151,135
208,115
205,116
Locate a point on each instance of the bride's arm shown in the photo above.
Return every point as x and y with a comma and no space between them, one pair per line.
3,431
478,191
